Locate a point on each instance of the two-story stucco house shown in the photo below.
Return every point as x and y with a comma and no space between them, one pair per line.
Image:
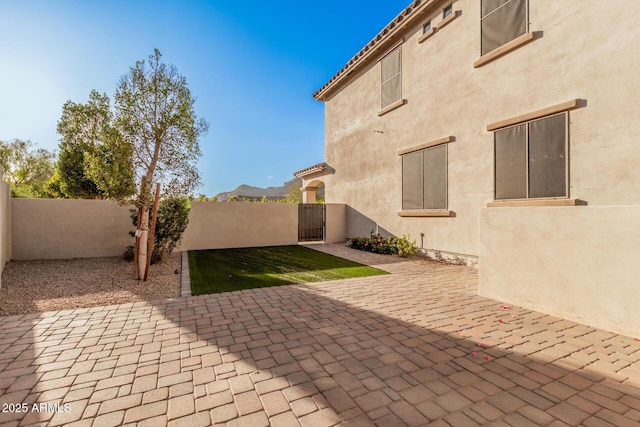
504,133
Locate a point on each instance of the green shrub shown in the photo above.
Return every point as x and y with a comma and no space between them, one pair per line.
401,246
404,247
173,217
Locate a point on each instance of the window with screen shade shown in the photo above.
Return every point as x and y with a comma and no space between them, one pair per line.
391,78
412,180
511,163
434,181
424,179
501,21
547,157
531,159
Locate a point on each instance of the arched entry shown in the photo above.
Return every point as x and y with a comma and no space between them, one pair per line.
311,191
312,215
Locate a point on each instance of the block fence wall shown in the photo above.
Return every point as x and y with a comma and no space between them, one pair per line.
5,223
58,228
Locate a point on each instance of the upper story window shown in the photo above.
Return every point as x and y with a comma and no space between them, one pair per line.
501,22
448,10
391,78
531,159
426,27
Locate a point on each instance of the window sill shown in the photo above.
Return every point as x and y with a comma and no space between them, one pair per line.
391,107
448,19
534,202
426,35
506,48
425,213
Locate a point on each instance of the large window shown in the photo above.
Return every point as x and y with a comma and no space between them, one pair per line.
501,22
391,78
531,159
424,179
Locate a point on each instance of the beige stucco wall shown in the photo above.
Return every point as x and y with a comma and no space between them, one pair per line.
57,229
54,228
584,52
576,262
236,225
335,223
5,224
579,263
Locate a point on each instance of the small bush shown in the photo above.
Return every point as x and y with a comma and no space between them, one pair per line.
401,246
404,247
173,217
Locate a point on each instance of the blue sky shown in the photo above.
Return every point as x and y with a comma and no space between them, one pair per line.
252,65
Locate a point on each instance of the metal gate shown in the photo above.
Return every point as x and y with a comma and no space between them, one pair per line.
311,222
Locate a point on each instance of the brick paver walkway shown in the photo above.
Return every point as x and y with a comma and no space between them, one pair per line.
411,348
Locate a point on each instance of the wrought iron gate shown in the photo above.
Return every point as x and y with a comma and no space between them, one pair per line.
311,222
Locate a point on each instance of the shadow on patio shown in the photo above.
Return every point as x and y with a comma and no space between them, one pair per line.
403,349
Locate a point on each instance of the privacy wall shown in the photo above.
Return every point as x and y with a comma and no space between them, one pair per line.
240,224
56,228
59,228
5,223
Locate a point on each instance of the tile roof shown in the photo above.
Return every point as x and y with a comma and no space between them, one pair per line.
400,22
311,169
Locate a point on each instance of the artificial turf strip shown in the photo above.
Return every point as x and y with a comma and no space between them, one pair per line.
223,270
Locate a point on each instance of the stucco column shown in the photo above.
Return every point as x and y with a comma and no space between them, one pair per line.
309,194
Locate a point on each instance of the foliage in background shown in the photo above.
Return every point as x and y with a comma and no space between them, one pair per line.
26,169
294,191
401,246
95,162
173,218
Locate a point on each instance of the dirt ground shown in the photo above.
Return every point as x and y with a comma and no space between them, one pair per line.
52,285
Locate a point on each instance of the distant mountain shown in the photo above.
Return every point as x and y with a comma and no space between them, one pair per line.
255,193
271,193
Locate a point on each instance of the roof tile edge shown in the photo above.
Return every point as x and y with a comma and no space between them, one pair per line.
311,169
405,17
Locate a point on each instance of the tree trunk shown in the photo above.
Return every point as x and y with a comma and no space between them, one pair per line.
154,217
144,241
136,247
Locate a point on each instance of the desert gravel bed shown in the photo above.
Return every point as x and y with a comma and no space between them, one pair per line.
52,285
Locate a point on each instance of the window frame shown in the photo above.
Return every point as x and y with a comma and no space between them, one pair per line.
526,25
421,179
426,27
526,123
399,73
448,8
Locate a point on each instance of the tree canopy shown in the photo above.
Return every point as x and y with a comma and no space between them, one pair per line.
95,161
26,168
154,112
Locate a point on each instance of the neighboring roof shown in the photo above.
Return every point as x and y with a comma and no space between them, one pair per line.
384,38
311,169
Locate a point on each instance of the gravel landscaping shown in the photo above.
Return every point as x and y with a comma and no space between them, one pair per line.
52,285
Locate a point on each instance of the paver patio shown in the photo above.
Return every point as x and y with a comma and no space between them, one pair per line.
411,348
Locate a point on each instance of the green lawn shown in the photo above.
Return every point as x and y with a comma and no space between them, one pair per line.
223,270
